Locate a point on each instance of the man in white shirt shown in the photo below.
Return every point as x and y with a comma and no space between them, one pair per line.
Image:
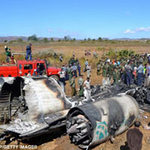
87,90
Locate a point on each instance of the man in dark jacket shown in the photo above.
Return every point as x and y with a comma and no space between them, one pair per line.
134,137
28,52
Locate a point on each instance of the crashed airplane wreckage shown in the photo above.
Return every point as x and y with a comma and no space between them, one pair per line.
47,108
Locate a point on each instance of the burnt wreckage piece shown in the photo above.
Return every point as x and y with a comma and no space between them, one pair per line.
47,108
94,123
46,104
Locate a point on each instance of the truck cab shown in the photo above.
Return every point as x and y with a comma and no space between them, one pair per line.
23,67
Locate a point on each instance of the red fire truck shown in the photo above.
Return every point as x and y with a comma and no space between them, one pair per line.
23,67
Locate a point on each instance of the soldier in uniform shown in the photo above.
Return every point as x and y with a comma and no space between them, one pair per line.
81,89
115,75
110,70
88,71
98,69
73,86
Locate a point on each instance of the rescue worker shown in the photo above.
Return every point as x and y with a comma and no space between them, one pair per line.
80,84
29,52
73,86
8,54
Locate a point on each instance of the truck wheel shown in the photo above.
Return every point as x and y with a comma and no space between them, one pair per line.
55,77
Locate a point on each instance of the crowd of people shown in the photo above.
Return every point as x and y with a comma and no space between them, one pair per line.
129,70
70,72
133,70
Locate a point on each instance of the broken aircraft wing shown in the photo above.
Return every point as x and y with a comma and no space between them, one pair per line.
46,103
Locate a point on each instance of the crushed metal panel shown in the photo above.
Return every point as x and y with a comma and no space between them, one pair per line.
44,99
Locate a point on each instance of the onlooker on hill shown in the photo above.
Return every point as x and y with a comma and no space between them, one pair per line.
29,52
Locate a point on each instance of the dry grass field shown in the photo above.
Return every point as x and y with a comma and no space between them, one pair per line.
67,49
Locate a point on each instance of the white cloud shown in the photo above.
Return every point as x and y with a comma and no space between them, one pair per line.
129,31
141,29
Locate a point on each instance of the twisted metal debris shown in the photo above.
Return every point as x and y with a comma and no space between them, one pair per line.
44,107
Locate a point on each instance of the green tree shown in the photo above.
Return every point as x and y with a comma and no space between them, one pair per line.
67,38
100,39
19,40
52,39
32,38
5,41
45,40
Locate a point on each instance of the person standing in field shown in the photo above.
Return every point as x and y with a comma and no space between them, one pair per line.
128,73
98,69
8,54
29,52
87,89
86,64
140,75
80,84
88,69
73,86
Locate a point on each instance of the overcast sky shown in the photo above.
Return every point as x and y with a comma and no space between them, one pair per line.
77,18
